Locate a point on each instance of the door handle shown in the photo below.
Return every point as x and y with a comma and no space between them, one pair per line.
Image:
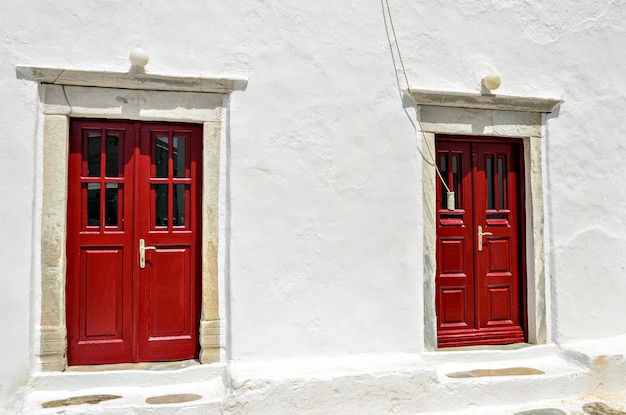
142,253
480,237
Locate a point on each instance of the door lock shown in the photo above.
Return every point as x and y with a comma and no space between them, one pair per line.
480,237
142,252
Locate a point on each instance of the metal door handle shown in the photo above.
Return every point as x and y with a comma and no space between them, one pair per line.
480,237
142,253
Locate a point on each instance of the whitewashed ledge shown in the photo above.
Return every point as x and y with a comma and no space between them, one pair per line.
131,80
483,101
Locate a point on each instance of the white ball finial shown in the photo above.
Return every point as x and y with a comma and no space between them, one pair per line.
138,57
492,81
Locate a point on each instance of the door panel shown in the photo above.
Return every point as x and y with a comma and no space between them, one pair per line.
102,293
99,243
455,307
455,276
497,266
478,260
168,304
170,295
130,181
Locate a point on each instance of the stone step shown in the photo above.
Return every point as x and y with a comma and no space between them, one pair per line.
407,384
189,399
144,375
483,379
512,352
126,390
546,366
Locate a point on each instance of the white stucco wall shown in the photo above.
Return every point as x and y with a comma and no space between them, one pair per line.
17,166
324,208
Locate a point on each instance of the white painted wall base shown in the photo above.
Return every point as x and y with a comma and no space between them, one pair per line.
359,384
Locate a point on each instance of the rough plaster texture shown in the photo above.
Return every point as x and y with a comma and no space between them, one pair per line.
324,192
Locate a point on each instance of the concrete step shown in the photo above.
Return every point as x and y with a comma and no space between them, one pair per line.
485,377
509,352
499,382
145,375
406,384
198,389
403,384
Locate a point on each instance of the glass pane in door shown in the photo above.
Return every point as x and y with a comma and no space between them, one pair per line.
179,157
161,153
93,204
160,204
94,147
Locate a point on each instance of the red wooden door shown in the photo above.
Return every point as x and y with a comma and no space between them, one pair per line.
480,243
133,183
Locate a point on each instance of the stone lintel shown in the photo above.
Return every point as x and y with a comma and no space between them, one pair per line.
472,121
131,80
480,101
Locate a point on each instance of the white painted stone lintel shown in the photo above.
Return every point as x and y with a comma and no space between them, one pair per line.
484,101
128,104
479,122
131,80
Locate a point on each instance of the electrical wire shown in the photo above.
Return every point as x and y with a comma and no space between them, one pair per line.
408,85
395,39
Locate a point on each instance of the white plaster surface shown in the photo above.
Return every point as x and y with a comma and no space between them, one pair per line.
397,383
323,194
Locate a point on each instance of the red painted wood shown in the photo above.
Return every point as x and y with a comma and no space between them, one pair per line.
455,276
99,258
169,296
479,294
101,305
117,312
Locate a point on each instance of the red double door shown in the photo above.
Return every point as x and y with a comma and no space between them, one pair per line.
479,273
133,243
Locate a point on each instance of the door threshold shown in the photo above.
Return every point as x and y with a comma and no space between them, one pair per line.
170,365
510,346
516,352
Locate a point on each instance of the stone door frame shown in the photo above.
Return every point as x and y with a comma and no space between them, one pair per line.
455,113
66,94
